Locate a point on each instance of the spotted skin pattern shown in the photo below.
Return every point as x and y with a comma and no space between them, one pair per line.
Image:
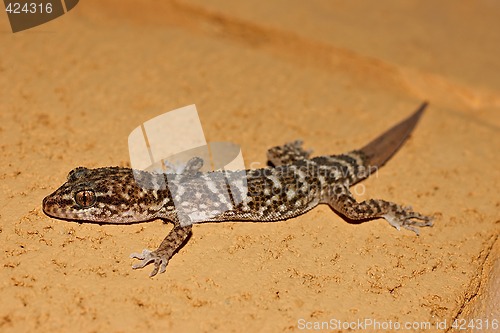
293,185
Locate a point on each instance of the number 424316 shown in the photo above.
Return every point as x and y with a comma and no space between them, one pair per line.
475,324
28,8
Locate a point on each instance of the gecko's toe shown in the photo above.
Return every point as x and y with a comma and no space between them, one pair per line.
413,224
146,257
409,220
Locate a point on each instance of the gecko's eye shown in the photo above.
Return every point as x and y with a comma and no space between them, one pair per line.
85,198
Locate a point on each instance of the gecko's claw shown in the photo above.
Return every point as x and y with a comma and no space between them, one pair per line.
409,220
147,257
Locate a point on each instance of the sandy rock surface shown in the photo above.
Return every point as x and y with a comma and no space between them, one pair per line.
333,73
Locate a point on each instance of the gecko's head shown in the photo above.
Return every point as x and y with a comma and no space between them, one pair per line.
105,195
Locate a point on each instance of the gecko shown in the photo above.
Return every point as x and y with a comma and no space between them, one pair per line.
292,184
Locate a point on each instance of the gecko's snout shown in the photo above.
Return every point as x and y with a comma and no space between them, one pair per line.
50,205
46,205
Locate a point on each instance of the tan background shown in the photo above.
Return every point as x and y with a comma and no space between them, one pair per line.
334,73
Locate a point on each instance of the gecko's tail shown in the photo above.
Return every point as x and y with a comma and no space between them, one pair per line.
382,148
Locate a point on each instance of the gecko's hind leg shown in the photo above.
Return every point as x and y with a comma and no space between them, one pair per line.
288,153
341,199
165,251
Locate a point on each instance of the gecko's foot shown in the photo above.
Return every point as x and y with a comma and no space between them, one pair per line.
288,153
146,257
408,219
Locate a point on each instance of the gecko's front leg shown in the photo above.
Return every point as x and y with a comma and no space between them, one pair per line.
165,251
